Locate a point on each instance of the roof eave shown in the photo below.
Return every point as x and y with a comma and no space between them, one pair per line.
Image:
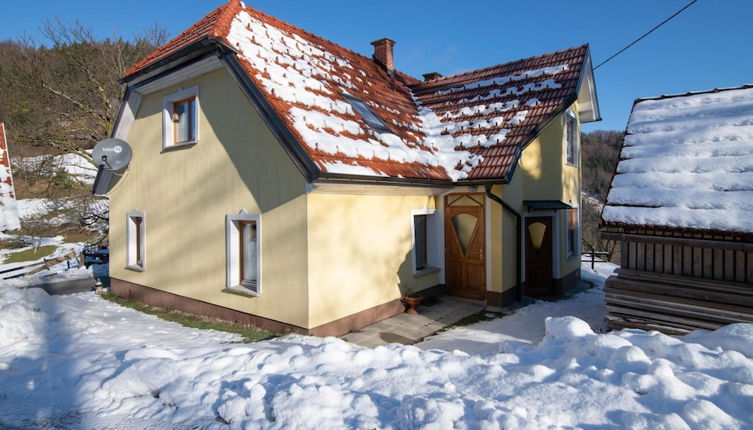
200,48
588,101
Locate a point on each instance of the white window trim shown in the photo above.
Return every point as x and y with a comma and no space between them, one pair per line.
576,139
433,253
232,240
577,248
131,262
168,131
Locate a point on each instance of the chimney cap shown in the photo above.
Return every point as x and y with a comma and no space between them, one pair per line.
432,76
383,40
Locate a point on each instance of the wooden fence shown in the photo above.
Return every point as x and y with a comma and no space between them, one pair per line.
676,284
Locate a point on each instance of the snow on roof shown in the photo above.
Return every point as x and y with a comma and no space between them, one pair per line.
8,207
468,126
687,162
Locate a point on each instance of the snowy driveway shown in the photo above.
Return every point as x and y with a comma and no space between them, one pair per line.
81,362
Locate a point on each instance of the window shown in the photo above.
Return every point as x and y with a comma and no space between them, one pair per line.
243,233
420,241
426,253
367,114
573,223
248,246
180,112
184,119
135,240
571,130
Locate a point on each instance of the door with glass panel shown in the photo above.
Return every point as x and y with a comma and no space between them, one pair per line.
539,257
465,246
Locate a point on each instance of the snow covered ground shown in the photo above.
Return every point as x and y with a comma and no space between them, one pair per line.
527,324
75,165
80,362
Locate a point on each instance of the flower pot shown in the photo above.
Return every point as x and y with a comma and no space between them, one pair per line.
411,304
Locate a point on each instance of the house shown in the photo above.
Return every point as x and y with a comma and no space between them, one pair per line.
8,207
680,203
281,180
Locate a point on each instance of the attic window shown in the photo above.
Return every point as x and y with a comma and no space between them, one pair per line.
367,114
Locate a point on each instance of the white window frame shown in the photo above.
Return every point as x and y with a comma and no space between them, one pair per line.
232,248
433,250
570,116
576,249
168,127
131,254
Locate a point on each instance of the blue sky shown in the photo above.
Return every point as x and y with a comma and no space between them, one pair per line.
709,45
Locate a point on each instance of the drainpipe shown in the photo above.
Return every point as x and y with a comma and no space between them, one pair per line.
518,240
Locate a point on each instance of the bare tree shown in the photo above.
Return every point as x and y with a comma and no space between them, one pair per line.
61,97
66,94
591,213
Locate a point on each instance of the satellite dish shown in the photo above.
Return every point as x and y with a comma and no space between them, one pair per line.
111,156
115,154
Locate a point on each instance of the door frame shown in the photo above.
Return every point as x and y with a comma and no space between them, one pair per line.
556,221
486,234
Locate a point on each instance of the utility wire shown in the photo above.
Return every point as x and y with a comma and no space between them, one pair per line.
645,34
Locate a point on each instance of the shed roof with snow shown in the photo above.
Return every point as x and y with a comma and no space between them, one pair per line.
687,163
8,207
470,126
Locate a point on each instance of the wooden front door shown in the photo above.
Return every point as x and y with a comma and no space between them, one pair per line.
539,273
465,246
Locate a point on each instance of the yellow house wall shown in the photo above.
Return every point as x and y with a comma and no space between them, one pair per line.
360,252
186,194
541,174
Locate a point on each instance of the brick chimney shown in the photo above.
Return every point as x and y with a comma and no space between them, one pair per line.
433,76
383,53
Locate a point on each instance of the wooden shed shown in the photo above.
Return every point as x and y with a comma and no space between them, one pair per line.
681,204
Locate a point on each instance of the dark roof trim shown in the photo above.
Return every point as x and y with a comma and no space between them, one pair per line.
537,131
540,205
334,178
190,52
732,234
384,180
283,134
693,93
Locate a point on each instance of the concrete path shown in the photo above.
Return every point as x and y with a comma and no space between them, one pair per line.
409,329
68,287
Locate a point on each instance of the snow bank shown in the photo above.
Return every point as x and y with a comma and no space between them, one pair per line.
84,362
528,324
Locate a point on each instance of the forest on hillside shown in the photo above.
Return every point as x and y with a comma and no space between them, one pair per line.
58,98
599,151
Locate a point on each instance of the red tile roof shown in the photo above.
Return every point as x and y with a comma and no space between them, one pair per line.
467,126
215,25
8,207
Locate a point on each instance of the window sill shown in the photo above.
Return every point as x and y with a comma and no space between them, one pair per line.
134,268
179,146
426,271
241,291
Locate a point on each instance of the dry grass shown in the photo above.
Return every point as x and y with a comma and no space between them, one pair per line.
29,254
249,334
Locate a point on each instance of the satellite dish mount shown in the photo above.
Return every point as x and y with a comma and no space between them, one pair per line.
111,156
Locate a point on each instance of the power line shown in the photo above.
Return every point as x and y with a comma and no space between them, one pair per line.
645,34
